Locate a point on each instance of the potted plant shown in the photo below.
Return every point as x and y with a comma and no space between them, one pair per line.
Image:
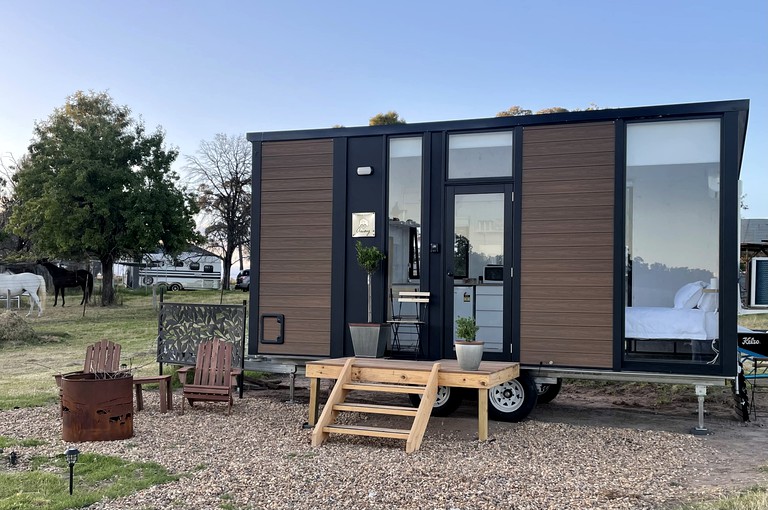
369,340
469,352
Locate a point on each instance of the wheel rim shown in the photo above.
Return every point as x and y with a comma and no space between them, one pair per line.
443,395
507,397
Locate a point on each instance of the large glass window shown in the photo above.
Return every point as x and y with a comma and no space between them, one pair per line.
480,155
478,252
404,249
672,240
405,168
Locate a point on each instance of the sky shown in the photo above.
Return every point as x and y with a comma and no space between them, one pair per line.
198,68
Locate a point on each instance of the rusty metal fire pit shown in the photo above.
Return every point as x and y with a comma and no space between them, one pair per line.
97,406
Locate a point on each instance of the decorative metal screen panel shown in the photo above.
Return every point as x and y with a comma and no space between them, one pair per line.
182,327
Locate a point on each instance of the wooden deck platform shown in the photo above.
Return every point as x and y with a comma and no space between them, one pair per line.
390,371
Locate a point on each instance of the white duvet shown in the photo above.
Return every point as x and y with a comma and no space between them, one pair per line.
670,323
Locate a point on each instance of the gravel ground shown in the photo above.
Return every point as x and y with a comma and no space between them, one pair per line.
260,457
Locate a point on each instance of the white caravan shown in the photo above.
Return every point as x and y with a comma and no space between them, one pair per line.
199,269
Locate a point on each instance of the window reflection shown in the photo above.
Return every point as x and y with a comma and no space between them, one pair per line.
480,155
405,168
479,236
404,247
672,240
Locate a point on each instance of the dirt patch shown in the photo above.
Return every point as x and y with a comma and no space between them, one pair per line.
740,449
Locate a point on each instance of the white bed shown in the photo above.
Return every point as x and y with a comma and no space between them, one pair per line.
670,323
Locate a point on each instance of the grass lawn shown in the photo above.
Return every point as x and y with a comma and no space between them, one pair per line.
27,370
98,477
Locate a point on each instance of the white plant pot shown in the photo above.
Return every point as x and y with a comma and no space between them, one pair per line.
469,354
369,340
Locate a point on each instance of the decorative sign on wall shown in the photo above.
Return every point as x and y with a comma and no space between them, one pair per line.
364,224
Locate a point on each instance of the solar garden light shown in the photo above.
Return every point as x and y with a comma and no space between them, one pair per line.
71,455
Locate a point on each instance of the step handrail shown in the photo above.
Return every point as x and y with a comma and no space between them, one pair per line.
421,420
337,396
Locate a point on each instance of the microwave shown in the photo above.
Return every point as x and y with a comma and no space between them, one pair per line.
493,274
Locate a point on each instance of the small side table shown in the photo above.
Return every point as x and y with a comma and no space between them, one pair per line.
166,395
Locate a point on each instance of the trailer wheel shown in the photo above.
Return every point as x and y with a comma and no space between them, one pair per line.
513,400
175,286
548,392
448,400
148,280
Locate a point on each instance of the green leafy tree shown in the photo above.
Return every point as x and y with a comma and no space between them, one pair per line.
222,171
553,109
385,119
514,111
97,184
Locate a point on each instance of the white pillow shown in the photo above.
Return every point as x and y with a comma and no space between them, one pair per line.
708,302
689,294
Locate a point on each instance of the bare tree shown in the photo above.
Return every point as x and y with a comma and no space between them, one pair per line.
222,171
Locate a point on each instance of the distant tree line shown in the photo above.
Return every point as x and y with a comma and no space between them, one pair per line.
392,117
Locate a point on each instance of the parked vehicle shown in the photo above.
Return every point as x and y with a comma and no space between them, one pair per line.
198,269
243,280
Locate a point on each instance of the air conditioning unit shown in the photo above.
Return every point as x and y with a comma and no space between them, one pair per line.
758,293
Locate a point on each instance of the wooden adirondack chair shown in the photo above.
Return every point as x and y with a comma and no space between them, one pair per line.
213,375
103,356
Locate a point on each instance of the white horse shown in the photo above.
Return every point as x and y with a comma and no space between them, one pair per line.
12,285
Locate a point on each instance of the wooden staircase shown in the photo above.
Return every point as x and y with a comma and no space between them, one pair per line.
351,378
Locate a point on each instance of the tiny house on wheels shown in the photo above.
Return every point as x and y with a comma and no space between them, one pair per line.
595,244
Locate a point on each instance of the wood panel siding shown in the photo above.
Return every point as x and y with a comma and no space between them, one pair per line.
295,244
567,242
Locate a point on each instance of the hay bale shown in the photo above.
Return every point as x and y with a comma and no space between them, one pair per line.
14,330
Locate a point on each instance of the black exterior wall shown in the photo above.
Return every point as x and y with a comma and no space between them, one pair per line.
434,206
339,250
364,194
253,307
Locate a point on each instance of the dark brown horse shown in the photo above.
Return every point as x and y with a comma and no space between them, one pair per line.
63,278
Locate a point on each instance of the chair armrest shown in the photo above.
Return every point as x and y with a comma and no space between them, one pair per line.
234,374
182,373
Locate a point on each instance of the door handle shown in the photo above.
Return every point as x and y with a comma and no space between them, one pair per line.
449,274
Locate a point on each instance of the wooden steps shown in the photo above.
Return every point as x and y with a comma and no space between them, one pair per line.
359,430
376,409
386,388
378,380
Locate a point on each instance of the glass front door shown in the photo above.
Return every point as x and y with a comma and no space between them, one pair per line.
478,265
